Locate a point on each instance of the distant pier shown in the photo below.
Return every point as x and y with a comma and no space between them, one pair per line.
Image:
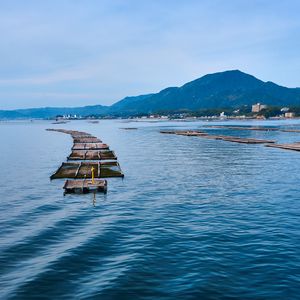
227,138
268,143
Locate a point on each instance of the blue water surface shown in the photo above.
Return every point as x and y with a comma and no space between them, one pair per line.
193,218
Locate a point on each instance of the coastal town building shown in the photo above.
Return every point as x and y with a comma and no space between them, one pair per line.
289,115
222,115
258,107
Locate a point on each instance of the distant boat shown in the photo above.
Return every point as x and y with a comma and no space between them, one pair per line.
60,122
93,122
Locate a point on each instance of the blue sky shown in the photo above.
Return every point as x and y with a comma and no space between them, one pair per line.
74,53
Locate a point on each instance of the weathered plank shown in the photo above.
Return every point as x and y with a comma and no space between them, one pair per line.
184,132
84,170
90,146
86,140
255,128
66,170
233,139
92,155
85,186
293,146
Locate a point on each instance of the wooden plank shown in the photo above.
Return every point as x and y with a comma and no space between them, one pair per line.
243,128
86,140
107,169
77,170
107,155
66,170
255,128
83,170
233,139
111,169
293,146
89,146
85,186
168,131
184,132
129,128
191,133
246,140
92,155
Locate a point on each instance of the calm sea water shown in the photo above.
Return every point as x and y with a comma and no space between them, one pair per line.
192,219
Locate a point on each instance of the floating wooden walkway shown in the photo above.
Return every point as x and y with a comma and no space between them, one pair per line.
84,170
83,140
243,128
129,128
184,132
85,186
293,146
233,139
92,155
89,159
89,146
254,128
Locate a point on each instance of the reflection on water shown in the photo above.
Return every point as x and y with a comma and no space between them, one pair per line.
192,219
94,199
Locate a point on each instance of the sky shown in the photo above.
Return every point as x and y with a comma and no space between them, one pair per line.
76,53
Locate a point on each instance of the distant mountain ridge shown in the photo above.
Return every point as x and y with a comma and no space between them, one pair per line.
229,89
51,112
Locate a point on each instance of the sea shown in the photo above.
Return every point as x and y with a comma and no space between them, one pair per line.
193,218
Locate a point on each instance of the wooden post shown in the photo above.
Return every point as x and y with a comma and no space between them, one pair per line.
93,176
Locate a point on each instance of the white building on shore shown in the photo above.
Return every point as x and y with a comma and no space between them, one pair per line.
258,107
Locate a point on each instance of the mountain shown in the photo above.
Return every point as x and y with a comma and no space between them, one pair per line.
128,104
51,112
229,89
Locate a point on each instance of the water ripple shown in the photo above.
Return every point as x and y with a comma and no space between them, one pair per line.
193,218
